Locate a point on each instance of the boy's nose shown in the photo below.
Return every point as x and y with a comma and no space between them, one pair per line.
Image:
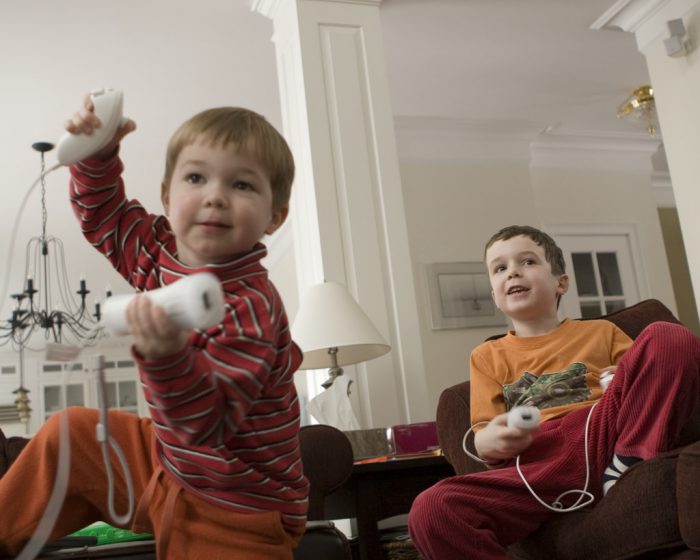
215,197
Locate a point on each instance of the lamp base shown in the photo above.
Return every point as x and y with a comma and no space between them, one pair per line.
333,372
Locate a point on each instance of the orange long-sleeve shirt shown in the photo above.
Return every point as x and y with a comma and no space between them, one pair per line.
556,372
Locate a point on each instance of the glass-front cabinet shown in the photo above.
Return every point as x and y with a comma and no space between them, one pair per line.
81,386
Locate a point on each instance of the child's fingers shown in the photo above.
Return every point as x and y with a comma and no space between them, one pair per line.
88,103
128,127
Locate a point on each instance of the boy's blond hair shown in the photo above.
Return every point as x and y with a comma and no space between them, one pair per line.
552,252
247,131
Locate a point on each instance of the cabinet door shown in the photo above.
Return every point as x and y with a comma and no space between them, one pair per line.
123,395
52,400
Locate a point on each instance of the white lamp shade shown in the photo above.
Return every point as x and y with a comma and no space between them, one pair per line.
329,317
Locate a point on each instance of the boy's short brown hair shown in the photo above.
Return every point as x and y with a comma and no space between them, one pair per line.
247,131
552,252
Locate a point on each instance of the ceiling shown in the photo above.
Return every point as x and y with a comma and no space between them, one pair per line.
534,61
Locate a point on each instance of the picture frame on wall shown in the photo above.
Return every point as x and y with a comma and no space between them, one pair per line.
460,296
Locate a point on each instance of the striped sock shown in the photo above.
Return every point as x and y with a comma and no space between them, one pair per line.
618,465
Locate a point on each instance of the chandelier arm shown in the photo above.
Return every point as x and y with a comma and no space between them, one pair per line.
67,297
15,228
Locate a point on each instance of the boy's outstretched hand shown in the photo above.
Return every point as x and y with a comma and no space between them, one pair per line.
498,441
85,121
155,335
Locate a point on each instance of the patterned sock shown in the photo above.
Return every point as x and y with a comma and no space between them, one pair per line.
618,465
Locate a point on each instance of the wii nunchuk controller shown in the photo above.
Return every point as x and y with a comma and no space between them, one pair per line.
108,108
524,417
193,302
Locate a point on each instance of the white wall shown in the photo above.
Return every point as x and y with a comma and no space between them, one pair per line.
171,59
676,84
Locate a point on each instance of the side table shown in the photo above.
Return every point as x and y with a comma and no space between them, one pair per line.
382,489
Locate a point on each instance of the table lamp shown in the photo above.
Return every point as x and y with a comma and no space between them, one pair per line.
332,330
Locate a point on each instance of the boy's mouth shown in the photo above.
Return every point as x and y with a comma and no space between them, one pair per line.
516,290
214,225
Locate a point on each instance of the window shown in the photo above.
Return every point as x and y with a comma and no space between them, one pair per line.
604,269
598,283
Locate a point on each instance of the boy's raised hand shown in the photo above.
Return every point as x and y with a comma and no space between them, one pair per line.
85,121
154,334
498,441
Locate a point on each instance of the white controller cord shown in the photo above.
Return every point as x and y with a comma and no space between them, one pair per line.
53,508
556,506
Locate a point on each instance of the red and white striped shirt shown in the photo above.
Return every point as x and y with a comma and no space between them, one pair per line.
225,410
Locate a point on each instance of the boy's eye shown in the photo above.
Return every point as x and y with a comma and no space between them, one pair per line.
242,186
529,261
499,268
194,178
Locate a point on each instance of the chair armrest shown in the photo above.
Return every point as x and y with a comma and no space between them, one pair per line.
453,420
688,495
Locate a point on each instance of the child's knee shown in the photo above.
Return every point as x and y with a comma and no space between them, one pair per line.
672,338
81,423
667,332
427,510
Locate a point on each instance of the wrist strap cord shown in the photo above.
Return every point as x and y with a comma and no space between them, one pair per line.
53,508
585,498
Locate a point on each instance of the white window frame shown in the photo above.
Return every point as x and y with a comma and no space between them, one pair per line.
631,235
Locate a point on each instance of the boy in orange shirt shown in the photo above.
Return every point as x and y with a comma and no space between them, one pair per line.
553,365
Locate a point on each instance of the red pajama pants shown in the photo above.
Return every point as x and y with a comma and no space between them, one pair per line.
653,393
185,526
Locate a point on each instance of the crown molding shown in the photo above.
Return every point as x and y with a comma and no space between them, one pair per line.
438,140
270,8
662,188
628,15
645,18
591,149
442,140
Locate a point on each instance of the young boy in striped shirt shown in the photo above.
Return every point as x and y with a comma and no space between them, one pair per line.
217,468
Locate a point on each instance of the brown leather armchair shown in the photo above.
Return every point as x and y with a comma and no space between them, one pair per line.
652,512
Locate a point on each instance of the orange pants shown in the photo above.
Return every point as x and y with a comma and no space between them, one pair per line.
184,524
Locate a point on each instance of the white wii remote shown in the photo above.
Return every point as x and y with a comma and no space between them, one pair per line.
108,108
193,302
524,417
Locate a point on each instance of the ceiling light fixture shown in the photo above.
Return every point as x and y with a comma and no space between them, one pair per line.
640,108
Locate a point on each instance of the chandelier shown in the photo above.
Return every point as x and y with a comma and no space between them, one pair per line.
46,304
640,108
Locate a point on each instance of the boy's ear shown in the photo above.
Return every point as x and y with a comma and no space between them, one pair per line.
165,197
563,284
277,219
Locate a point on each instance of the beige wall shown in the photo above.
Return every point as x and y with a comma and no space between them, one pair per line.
591,197
678,263
452,209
